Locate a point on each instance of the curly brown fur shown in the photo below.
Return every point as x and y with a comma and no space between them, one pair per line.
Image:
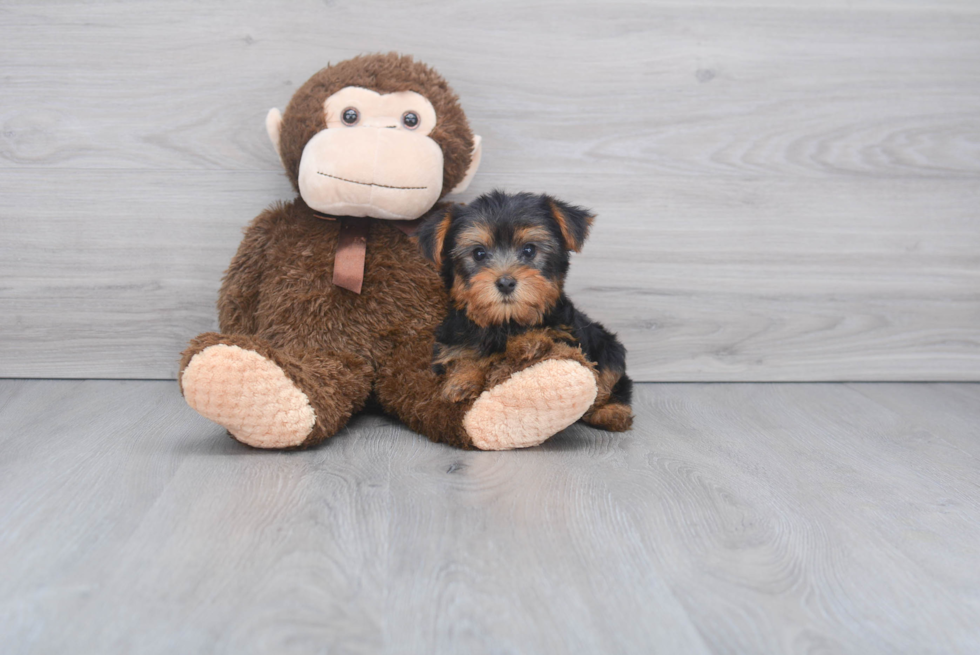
314,330
504,259
278,300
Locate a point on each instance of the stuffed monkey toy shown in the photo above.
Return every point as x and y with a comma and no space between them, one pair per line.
329,304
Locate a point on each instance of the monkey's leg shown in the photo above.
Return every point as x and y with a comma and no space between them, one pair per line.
272,398
539,388
407,387
535,391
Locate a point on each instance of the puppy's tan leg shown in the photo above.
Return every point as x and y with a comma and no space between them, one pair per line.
465,379
613,416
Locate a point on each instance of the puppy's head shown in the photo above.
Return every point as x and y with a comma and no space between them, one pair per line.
504,256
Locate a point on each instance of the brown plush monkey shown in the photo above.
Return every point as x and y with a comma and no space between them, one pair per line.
328,302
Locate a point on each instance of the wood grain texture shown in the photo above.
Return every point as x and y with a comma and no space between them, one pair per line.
759,518
786,191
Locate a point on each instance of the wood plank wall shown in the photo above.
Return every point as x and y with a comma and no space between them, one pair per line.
785,190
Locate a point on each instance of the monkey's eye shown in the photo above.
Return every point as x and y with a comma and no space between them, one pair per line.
410,120
350,116
479,254
529,250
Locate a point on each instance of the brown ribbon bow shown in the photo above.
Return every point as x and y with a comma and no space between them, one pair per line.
348,262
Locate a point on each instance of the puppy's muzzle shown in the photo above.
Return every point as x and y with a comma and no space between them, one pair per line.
506,284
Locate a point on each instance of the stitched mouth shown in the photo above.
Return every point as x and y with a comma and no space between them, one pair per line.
383,186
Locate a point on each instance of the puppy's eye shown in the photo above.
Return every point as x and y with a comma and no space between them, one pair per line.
350,116
479,254
529,250
410,120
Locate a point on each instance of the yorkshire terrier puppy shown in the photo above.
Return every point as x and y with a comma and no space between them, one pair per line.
504,258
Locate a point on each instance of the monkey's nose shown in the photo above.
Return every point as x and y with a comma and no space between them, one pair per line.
506,284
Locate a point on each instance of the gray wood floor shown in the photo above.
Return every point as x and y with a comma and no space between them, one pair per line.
785,190
736,518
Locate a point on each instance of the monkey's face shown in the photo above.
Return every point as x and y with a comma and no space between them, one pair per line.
377,135
375,157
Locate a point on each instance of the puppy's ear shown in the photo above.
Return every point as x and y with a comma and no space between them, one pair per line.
433,231
574,222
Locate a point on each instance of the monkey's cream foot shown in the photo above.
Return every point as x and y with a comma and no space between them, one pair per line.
531,406
249,395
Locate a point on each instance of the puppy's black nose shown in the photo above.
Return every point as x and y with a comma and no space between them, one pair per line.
506,284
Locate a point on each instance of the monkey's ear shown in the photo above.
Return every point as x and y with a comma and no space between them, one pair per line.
474,164
574,222
273,122
433,231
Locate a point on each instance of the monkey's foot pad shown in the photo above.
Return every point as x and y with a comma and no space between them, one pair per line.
531,405
249,395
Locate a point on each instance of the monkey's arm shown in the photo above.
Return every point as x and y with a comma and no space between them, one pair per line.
238,298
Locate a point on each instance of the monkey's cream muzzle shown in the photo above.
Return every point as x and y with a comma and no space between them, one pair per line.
371,171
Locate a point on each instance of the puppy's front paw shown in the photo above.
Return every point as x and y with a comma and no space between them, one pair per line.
529,347
457,391
464,381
